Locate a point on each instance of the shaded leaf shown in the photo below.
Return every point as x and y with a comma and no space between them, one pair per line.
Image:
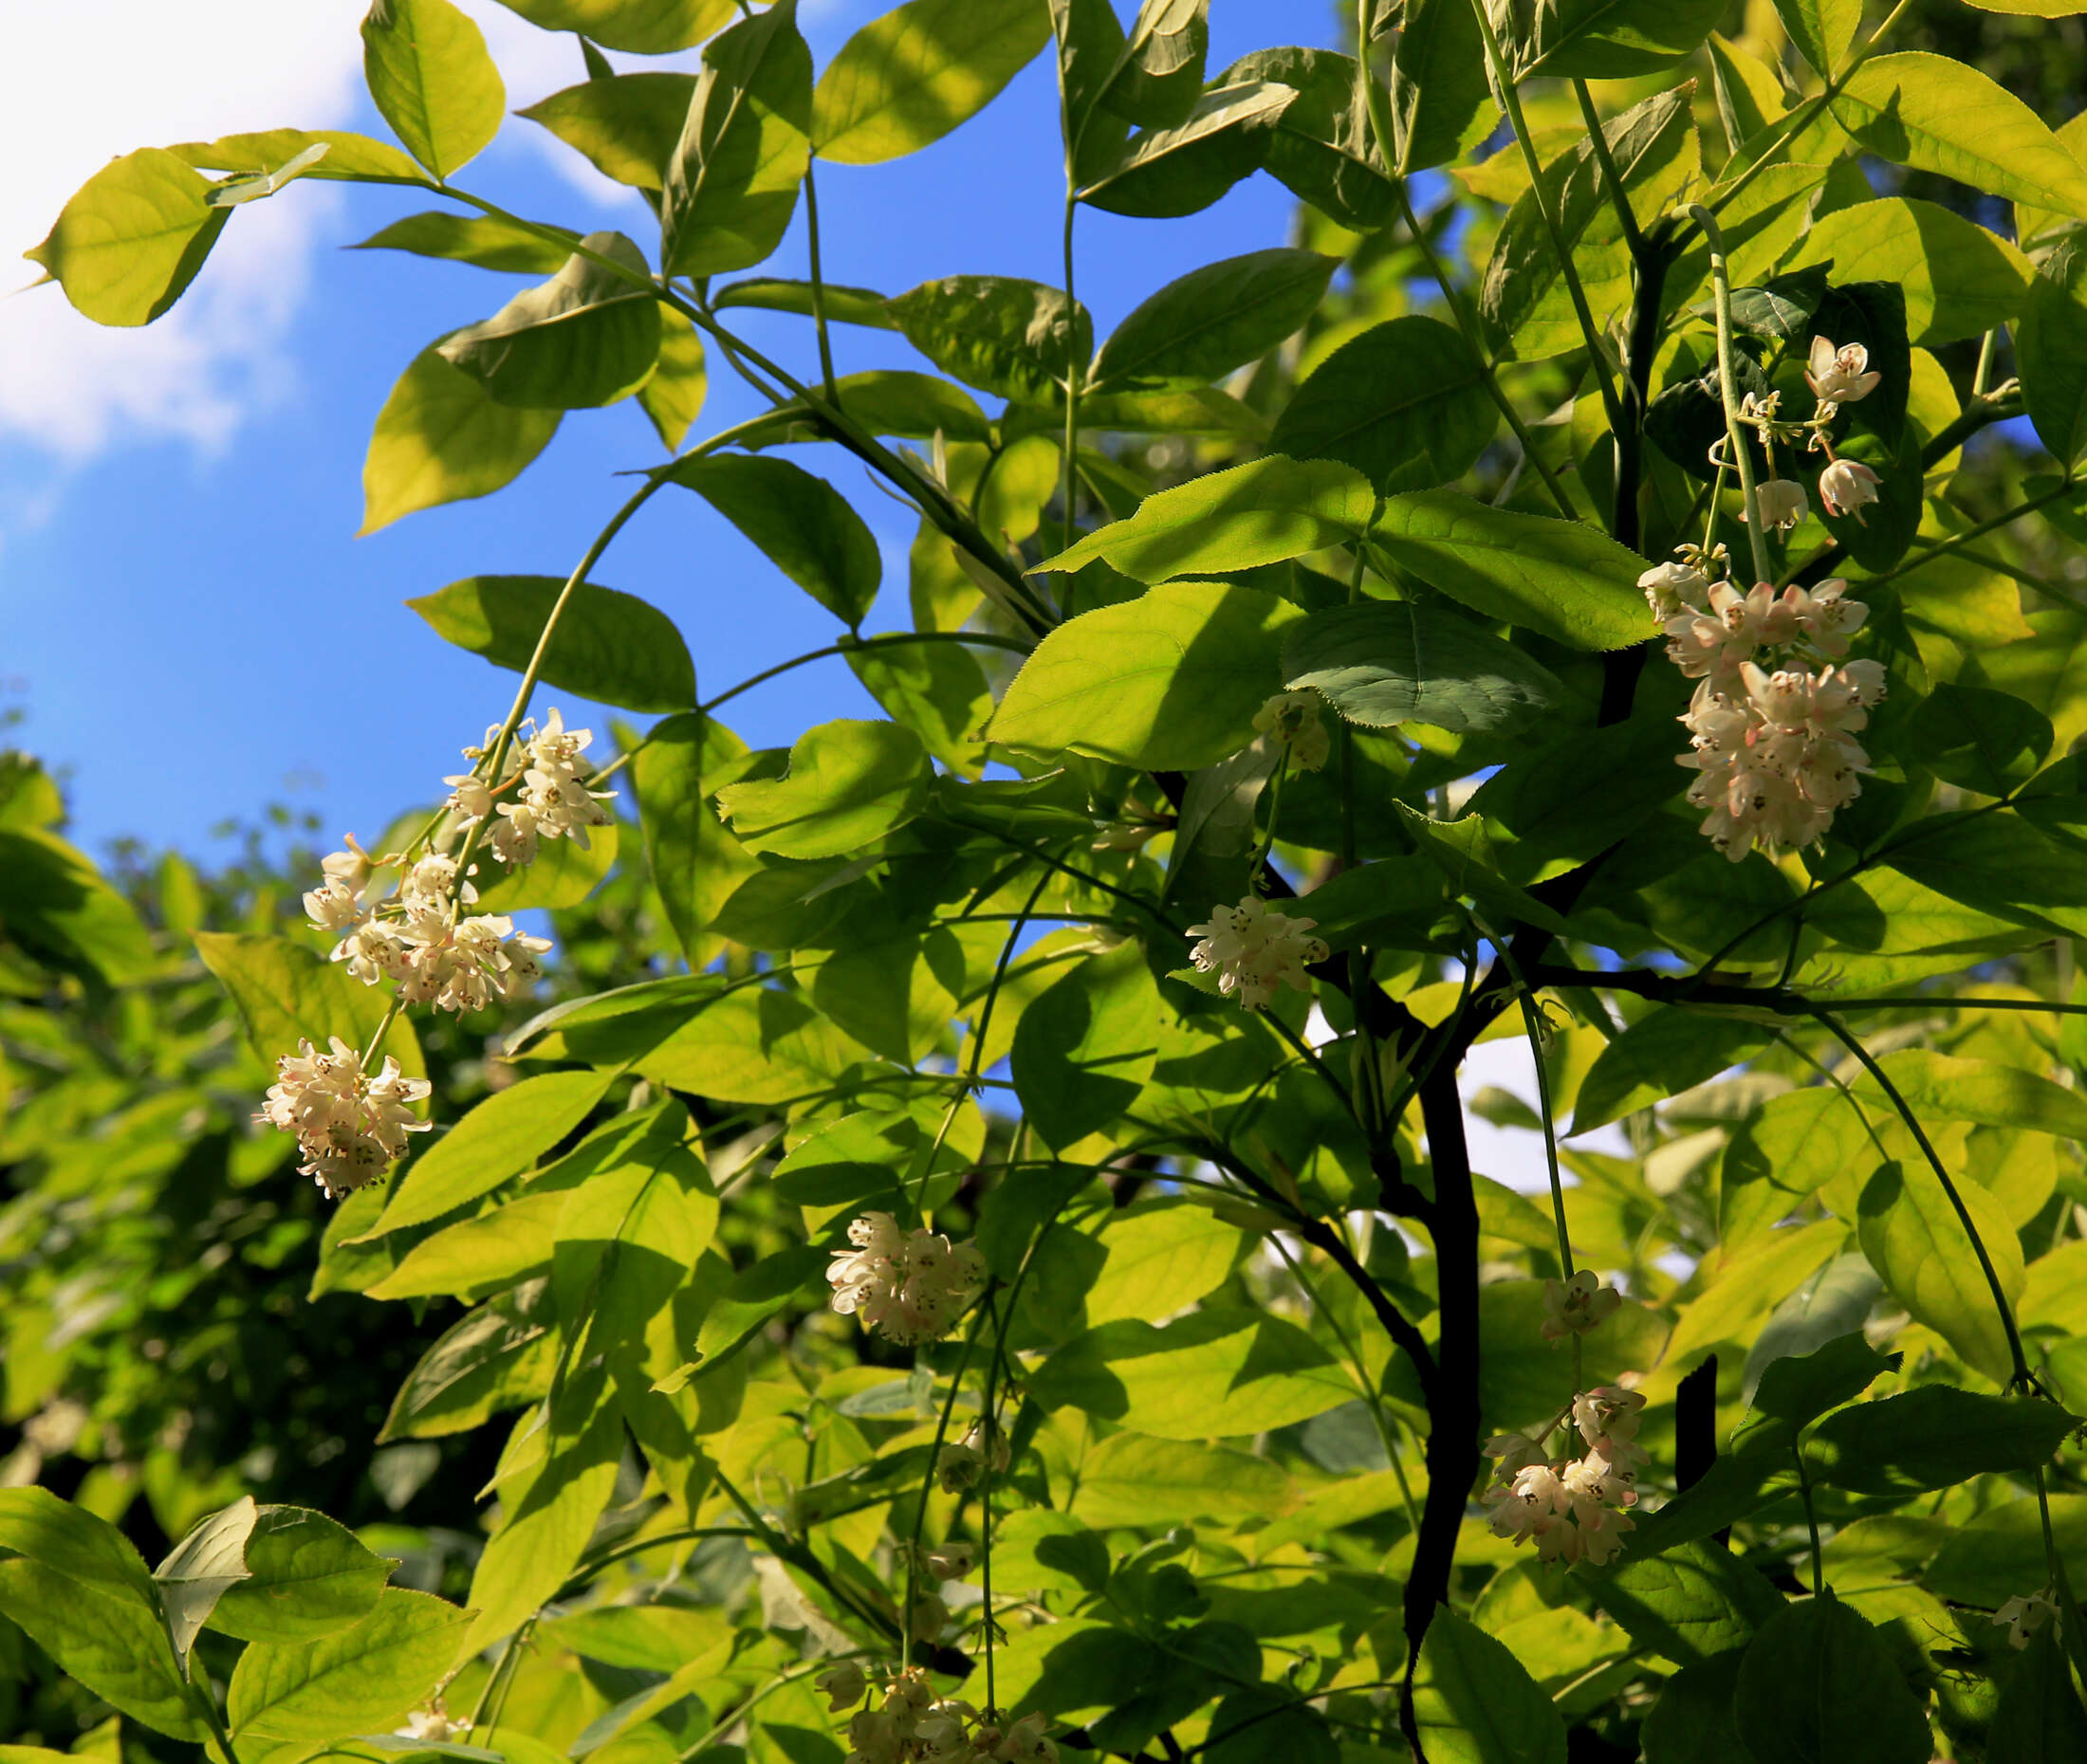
609,646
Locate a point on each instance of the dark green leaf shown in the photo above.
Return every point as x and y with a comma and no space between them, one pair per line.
910,77
1610,39
1694,1716
57,908
2039,1719
1664,1053
366,1676
497,1357
1691,1603
843,305
1161,77
998,332
307,1577
1475,1703
1085,1048
803,524
1818,1682
1933,1437
1440,96
201,1569
2051,350
1269,1722
731,185
627,126
1385,662
1404,403
1969,735
2000,864
587,336
1959,279
1165,172
1322,148
609,646
285,992
1214,319
848,784
1781,307
695,864
886,402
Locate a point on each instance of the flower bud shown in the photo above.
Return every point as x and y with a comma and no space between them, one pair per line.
1847,487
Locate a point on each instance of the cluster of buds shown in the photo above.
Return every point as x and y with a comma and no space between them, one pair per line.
551,798
1837,376
2023,1616
909,1722
350,1125
906,1286
1291,721
1576,1306
1573,1509
1776,745
1252,951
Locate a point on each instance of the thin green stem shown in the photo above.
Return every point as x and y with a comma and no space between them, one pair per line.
2022,1379
1942,548
979,1320
890,639
1611,180
1741,460
1811,1522
819,285
1546,209
1075,371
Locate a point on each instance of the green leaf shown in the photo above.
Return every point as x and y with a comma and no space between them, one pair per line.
1919,1246
886,402
307,1577
673,397
1937,114
1261,1722
1381,663
1161,74
627,126
1556,577
1162,174
923,69
476,1258
86,1599
627,1238
1404,403
366,1676
1169,681
132,237
731,185
1214,319
431,80
751,1296
1323,147
1524,299
351,157
695,864
1999,864
2051,352
849,784
998,332
56,906
497,1357
2039,1718
1823,29
1215,1373
1666,1051
1933,1437
1475,1703
843,305
609,646
1960,280
1691,1603
936,689
1693,1715
497,1140
1983,1091
1084,1048
1163,1256
441,438
754,1046
1820,1682
563,875
804,526
481,239
201,1569
1262,512
1133,1478
637,27
285,993
1973,736
585,338
1610,39
1439,91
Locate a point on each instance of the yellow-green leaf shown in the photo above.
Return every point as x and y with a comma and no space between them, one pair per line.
912,76
132,238
433,81
1921,1251
440,438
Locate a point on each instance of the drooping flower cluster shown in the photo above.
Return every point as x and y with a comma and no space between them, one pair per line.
1776,747
1573,1509
416,941
906,1286
1838,374
1576,1306
909,1722
552,799
1292,721
350,1125
1252,951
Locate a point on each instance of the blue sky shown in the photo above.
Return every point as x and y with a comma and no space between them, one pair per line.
194,632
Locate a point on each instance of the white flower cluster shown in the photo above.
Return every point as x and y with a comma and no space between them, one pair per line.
912,1723
908,1286
1777,750
1571,1508
1576,1306
350,1125
2023,1616
1837,375
1291,720
1252,951
552,800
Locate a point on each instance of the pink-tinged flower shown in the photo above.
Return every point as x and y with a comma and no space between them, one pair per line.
1782,503
1601,1538
1846,488
1577,1305
1837,376
1523,1510
1607,1411
1670,587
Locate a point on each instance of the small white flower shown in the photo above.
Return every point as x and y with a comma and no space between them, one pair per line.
1837,376
1847,487
1253,950
949,1561
906,1286
1607,1412
2023,1616
432,1725
470,800
1292,719
513,840
1670,587
1781,501
434,878
1528,1506
334,907
352,867
843,1684
1600,1538
1576,1306
1592,1483
1515,1452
